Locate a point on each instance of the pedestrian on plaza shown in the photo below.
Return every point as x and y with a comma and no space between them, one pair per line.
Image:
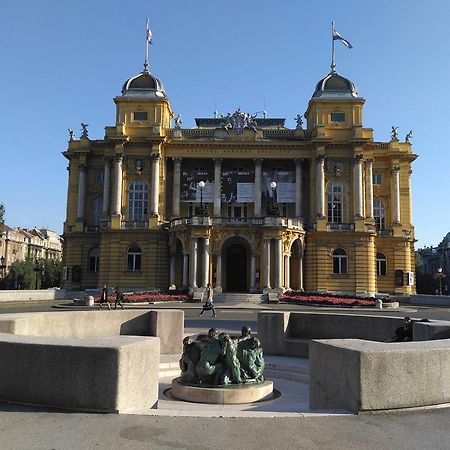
104,298
119,298
404,333
209,303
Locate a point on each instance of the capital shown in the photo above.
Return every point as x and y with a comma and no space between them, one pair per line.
217,161
320,158
155,157
396,169
258,161
118,157
370,160
357,158
177,160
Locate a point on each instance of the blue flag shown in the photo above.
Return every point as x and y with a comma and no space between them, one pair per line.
338,37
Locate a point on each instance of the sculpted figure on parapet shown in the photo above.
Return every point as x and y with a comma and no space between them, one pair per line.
220,359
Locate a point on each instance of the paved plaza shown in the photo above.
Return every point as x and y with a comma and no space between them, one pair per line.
199,427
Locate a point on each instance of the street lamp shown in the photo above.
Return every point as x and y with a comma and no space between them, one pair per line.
37,269
201,210
440,275
273,210
3,265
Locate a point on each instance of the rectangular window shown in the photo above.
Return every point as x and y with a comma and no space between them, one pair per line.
377,178
190,209
338,117
93,264
140,115
381,267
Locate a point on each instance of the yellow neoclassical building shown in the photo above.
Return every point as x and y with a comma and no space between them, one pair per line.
240,201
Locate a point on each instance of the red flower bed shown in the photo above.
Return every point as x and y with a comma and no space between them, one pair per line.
323,299
146,297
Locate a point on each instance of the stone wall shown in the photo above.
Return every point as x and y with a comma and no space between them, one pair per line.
167,324
106,374
359,375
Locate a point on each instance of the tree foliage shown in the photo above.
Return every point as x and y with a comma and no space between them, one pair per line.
22,274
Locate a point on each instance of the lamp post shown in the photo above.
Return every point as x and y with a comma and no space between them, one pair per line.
440,275
3,266
37,269
273,210
201,210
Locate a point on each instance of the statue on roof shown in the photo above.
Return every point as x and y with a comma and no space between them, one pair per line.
409,136
84,130
394,133
298,119
71,133
239,121
178,121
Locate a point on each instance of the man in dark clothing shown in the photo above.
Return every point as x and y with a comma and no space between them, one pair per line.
104,298
404,333
119,298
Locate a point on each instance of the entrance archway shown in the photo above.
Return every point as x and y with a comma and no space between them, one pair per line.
236,268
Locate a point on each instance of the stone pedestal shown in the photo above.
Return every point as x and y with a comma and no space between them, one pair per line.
221,395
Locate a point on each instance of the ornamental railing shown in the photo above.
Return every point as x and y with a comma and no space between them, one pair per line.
134,224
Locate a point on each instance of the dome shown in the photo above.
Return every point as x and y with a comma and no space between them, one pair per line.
143,84
334,85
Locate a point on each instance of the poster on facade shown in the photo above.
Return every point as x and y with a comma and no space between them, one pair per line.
285,190
190,176
238,186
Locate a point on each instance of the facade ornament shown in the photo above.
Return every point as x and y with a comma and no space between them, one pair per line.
394,133
409,136
178,121
84,130
239,121
139,166
396,169
298,119
71,133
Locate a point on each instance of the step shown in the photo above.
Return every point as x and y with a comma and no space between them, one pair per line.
237,297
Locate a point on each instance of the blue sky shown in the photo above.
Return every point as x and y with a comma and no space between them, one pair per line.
64,61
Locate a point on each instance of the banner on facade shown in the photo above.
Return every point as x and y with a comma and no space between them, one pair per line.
285,190
190,177
238,186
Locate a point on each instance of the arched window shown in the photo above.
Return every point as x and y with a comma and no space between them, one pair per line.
379,214
94,259
97,210
134,258
339,261
381,264
336,202
137,201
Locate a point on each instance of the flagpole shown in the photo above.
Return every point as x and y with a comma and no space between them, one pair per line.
146,47
333,62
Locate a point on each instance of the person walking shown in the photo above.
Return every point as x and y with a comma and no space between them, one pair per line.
209,303
119,298
104,298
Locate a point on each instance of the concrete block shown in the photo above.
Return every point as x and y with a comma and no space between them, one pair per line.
115,374
168,326
365,376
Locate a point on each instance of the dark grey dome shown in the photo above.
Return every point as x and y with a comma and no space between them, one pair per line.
143,84
334,85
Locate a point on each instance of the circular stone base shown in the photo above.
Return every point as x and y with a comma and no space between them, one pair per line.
226,395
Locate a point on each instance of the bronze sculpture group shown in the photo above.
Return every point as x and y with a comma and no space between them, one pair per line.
220,359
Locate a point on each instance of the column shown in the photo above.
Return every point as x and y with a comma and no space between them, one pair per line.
287,271
298,188
253,273
300,272
185,269
217,184
155,184
194,249
320,186
396,195
278,267
219,272
106,186
81,191
357,186
369,188
206,263
267,267
172,271
176,187
257,194
118,185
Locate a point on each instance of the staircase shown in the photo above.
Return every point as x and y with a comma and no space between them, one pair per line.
286,368
238,297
